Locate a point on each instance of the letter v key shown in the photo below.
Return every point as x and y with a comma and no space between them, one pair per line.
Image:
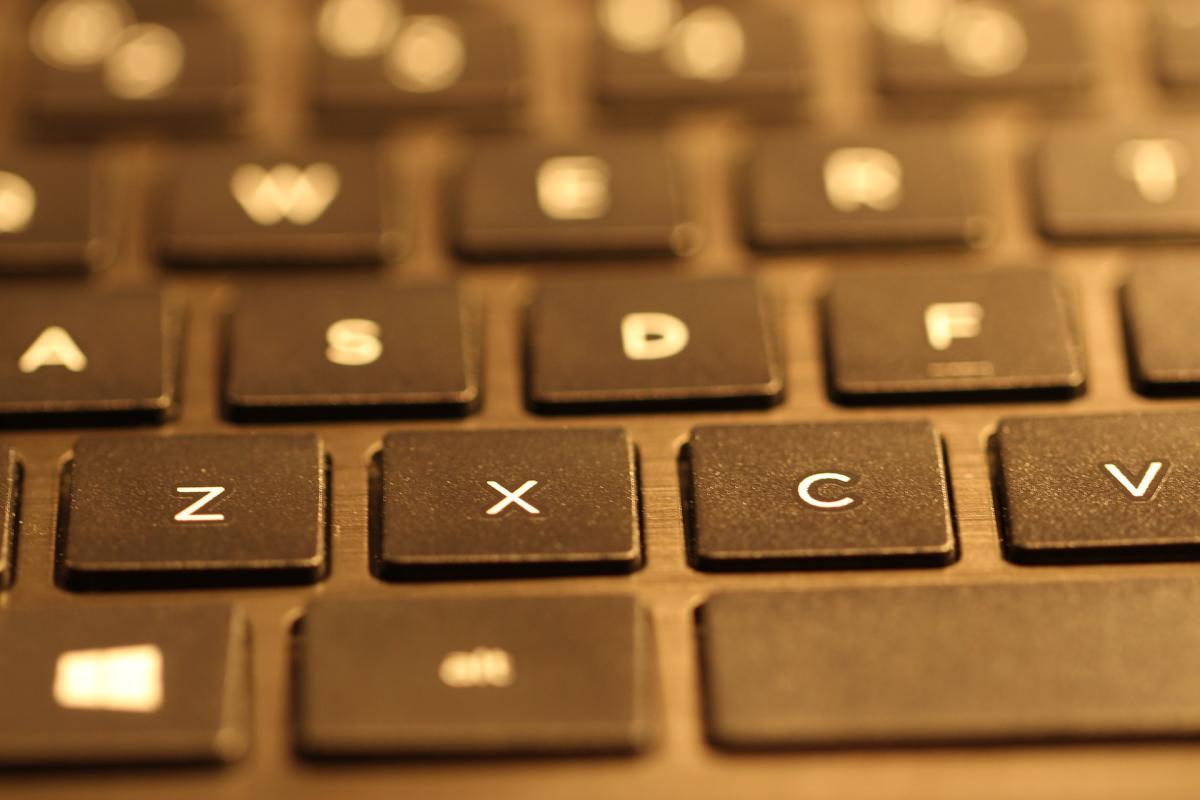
1147,486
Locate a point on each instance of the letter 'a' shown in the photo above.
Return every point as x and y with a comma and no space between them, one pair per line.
54,347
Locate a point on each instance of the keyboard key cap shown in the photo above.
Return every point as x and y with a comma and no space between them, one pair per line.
234,208
351,350
1100,488
952,664
827,495
10,494
899,186
481,676
123,685
965,46
939,334
102,64
145,510
513,501
656,55
47,217
614,196
1164,332
1105,182
73,356
651,342
378,63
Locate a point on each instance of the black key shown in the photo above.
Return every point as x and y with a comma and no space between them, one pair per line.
173,511
484,676
47,213
657,55
10,494
901,186
1099,488
100,64
515,501
938,334
1105,182
608,197
825,495
967,46
351,350
1164,332
636,343
378,63
952,664
73,356
1177,35
123,685
232,207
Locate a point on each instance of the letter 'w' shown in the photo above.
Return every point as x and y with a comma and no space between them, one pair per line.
285,192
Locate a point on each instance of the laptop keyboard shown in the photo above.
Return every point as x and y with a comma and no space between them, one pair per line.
606,398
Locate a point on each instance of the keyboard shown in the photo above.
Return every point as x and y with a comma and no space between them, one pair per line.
604,398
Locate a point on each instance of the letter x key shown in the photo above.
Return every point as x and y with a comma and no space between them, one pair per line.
512,497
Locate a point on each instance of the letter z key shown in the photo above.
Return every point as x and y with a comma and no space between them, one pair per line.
144,510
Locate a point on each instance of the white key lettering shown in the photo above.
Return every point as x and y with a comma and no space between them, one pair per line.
1147,485
946,322
127,679
650,335
806,486
210,493
354,342
511,498
54,347
478,668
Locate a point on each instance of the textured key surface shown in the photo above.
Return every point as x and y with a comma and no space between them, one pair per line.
627,343
481,676
900,186
896,334
123,685
979,45
49,223
194,509
609,196
745,54
491,502
956,664
351,349
119,64
1163,327
818,495
69,355
1098,181
10,494
1110,487
238,208
385,62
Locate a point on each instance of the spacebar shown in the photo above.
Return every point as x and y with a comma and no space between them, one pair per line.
911,665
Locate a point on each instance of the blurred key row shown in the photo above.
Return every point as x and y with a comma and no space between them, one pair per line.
93,65
178,511
488,676
73,356
614,195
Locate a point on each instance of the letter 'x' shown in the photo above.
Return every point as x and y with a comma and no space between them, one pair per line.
512,497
